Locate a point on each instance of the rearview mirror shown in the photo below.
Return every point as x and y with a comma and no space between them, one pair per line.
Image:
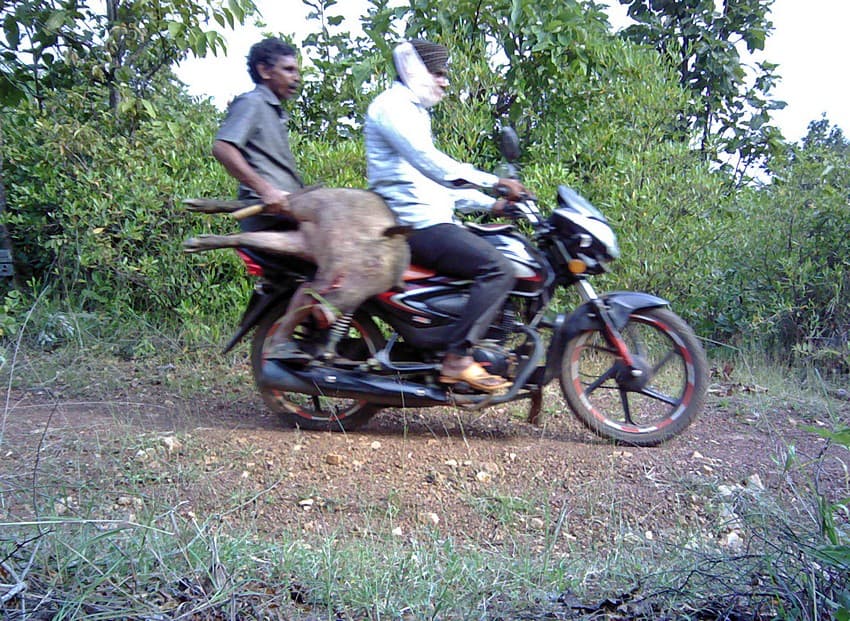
509,144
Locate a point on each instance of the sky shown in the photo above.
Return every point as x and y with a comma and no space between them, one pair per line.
809,42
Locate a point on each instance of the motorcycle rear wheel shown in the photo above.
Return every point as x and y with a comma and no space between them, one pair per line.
316,413
645,410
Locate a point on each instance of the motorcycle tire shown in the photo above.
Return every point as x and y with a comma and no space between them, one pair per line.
316,413
644,410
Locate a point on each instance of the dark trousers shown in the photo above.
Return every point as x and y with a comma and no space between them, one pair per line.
453,250
266,222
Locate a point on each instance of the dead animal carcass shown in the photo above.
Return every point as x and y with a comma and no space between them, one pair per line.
351,235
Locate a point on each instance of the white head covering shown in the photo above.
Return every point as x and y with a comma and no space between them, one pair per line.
414,75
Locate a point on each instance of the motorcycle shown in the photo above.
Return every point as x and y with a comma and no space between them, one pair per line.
629,368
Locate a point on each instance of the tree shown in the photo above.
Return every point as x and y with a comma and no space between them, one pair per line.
730,104
50,46
55,44
786,267
339,67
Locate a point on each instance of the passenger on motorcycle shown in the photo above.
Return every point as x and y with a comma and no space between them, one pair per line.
421,185
253,141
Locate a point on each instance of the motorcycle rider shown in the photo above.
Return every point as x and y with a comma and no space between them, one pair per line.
253,141
420,184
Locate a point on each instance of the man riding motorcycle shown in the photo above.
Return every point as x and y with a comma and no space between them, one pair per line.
421,185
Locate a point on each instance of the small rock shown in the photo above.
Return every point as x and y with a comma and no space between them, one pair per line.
375,445
648,535
333,460
429,517
754,481
61,507
491,467
730,519
483,476
171,443
124,501
306,503
451,463
536,523
725,490
697,455
397,532
732,540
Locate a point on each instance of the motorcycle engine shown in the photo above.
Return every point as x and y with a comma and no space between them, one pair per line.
490,353
494,358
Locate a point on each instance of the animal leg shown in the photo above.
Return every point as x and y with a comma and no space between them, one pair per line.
278,242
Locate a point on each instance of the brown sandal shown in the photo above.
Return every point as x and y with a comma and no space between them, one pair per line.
477,377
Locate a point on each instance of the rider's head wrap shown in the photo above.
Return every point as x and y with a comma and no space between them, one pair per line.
416,62
434,56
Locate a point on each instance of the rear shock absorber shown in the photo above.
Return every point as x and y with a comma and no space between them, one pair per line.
338,330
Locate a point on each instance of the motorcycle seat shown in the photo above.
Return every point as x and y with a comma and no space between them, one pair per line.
414,272
489,229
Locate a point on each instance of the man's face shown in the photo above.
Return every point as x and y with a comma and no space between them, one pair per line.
441,80
283,77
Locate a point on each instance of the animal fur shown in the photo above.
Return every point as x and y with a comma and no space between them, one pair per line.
351,235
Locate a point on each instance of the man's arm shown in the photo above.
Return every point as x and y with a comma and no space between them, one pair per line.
274,199
403,127
401,124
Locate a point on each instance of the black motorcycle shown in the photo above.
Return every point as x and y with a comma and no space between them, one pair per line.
630,369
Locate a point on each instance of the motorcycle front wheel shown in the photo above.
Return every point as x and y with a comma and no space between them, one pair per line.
311,412
650,406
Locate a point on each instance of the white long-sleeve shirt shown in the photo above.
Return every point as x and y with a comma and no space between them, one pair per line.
418,182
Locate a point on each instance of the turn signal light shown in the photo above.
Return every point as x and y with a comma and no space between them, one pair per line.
577,266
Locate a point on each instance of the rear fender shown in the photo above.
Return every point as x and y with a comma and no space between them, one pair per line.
620,305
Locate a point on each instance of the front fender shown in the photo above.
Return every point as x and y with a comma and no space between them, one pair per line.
620,304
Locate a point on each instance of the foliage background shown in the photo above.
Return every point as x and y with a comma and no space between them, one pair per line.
753,256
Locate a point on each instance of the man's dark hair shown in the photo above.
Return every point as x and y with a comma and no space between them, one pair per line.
266,52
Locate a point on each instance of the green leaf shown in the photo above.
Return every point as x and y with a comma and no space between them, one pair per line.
175,29
841,434
237,10
149,108
835,555
13,34
55,21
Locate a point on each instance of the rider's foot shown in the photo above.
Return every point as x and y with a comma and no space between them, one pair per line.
288,351
464,369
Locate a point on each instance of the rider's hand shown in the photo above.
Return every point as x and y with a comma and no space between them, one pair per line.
275,201
500,208
510,189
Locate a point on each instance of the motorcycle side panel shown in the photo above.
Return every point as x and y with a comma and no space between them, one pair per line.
530,272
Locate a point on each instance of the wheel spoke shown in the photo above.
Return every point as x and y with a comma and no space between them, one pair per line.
600,380
660,396
667,357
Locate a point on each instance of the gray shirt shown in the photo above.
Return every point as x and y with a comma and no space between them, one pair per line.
417,181
258,126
